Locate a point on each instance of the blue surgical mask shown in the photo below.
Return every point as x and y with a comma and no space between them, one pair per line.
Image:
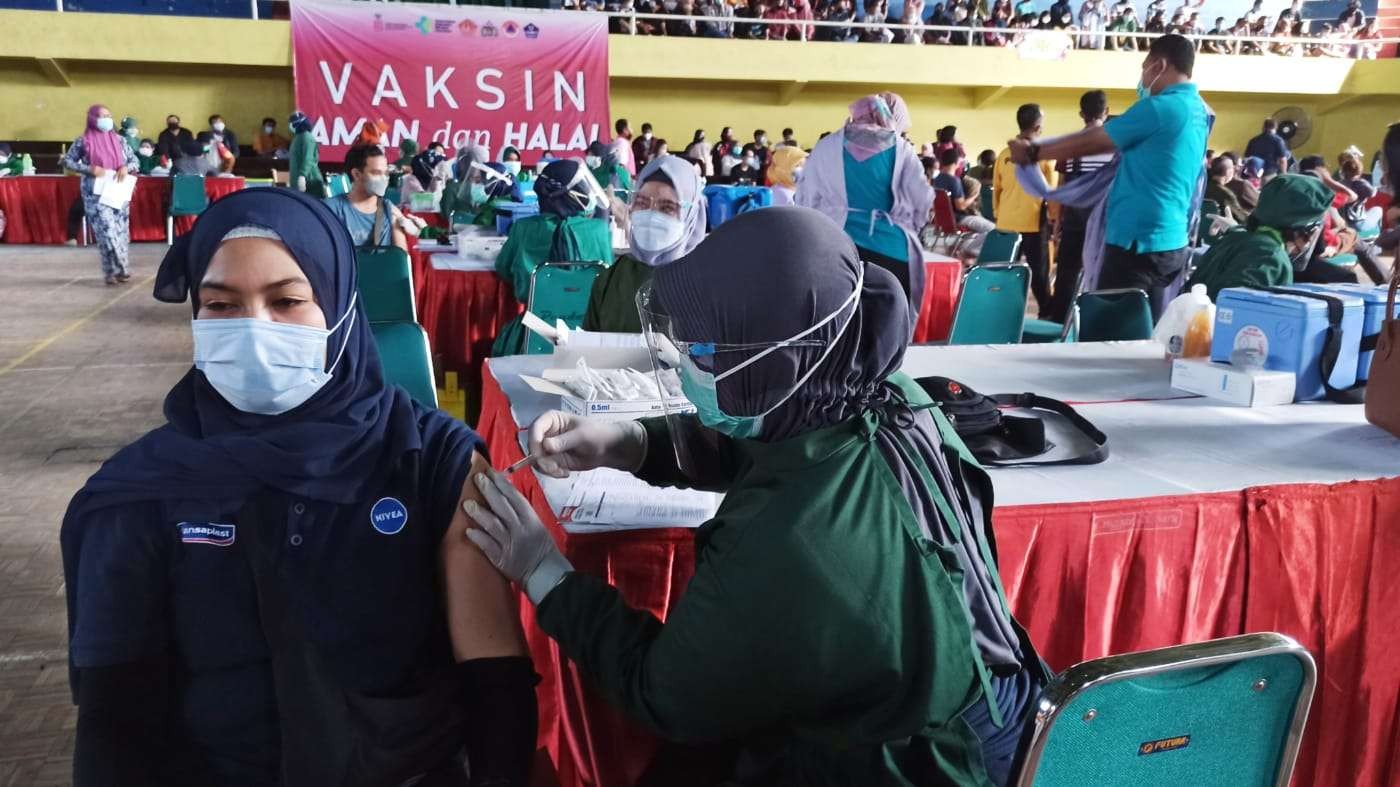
104,124
513,167
1145,91
478,193
701,387
265,367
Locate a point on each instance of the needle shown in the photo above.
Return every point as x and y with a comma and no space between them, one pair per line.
529,460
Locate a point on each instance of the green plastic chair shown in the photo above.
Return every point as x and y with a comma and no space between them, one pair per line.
1000,246
985,203
1114,316
386,289
337,184
1224,712
992,306
559,291
187,198
1037,331
1342,260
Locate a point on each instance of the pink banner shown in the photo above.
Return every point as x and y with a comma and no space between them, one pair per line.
536,81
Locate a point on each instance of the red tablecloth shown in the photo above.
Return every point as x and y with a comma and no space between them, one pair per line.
942,284
1318,563
36,207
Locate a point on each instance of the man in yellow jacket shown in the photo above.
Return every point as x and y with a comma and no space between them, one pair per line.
1019,212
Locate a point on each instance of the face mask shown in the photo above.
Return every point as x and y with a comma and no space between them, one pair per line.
378,186
218,125
206,148
1145,91
762,141
654,231
700,386
133,132
592,162
513,167
647,135
478,193
751,162
268,129
4,159
147,151
796,174
265,367
172,126
104,124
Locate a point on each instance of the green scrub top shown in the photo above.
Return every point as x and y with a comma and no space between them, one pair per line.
148,163
1244,258
527,246
868,189
305,161
612,306
15,166
615,178
821,631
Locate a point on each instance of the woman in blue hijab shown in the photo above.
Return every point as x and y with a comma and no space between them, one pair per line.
253,592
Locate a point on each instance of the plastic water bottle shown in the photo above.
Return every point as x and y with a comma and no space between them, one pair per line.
28,164
1188,325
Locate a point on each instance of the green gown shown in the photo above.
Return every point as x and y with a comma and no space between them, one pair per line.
613,178
528,245
612,306
821,631
1244,258
305,161
15,166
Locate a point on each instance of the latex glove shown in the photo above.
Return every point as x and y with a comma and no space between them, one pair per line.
301,183
567,443
513,538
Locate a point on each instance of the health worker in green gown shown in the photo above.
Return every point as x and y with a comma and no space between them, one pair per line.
607,170
846,624
564,231
667,220
304,159
1277,241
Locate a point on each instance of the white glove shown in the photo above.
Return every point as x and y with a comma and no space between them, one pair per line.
513,538
567,443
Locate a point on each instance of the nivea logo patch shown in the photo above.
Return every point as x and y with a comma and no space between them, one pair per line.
206,533
388,516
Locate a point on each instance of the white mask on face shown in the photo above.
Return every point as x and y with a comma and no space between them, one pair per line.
513,167
378,186
218,125
265,367
592,162
268,129
104,124
146,151
653,231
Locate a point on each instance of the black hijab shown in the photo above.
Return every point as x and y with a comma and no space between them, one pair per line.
768,275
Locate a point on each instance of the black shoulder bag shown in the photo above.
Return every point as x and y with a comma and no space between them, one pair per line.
1000,440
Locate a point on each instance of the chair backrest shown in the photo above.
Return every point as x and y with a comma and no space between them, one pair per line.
1114,316
386,284
988,201
1184,715
559,291
992,306
338,184
187,195
1000,246
943,216
406,359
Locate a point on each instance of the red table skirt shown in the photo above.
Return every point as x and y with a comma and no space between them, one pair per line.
942,284
36,208
1318,563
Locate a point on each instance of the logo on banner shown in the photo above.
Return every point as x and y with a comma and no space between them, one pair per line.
511,29
443,25
388,516
532,31
466,27
206,533
424,25
488,30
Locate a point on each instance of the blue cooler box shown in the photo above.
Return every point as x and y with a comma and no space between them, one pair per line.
726,202
1290,331
508,212
1375,299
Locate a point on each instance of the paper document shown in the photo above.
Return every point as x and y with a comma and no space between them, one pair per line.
114,193
610,499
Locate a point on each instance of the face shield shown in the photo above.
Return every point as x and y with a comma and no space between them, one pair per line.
1301,243
696,367
585,190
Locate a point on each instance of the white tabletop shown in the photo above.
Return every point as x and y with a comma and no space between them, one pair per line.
1159,443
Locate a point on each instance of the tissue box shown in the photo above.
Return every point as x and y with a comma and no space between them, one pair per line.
1290,331
1251,388
623,411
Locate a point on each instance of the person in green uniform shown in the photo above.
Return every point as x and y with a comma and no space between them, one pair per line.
304,170
408,148
131,135
564,231
606,169
668,219
845,624
511,158
146,155
475,189
1277,241
10,164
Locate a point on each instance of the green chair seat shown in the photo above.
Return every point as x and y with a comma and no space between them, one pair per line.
187,198
1370,233
1342,260
1123,315
1041,332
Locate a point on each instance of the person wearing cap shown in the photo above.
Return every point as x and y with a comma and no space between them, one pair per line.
564,231
272,588
1277,240
131,134
304,170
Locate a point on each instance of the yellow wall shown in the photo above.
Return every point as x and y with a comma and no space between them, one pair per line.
50,71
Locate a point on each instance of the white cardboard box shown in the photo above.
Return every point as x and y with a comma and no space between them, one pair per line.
1251,388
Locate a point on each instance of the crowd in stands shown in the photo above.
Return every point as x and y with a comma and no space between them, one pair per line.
1000,23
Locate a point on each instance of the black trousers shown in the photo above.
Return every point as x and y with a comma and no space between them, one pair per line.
1069,262
899,268
1034,251
1151,272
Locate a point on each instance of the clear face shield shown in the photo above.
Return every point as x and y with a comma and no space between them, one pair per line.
695,369
593,195
1301,243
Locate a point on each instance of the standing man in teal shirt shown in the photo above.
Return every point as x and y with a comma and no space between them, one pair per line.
1162,142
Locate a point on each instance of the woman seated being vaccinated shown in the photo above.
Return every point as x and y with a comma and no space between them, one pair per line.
846,624
564,231
270,588
667,221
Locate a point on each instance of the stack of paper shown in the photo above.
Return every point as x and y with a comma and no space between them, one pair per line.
113,193
600,500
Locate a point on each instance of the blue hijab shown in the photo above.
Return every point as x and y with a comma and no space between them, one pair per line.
326,449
